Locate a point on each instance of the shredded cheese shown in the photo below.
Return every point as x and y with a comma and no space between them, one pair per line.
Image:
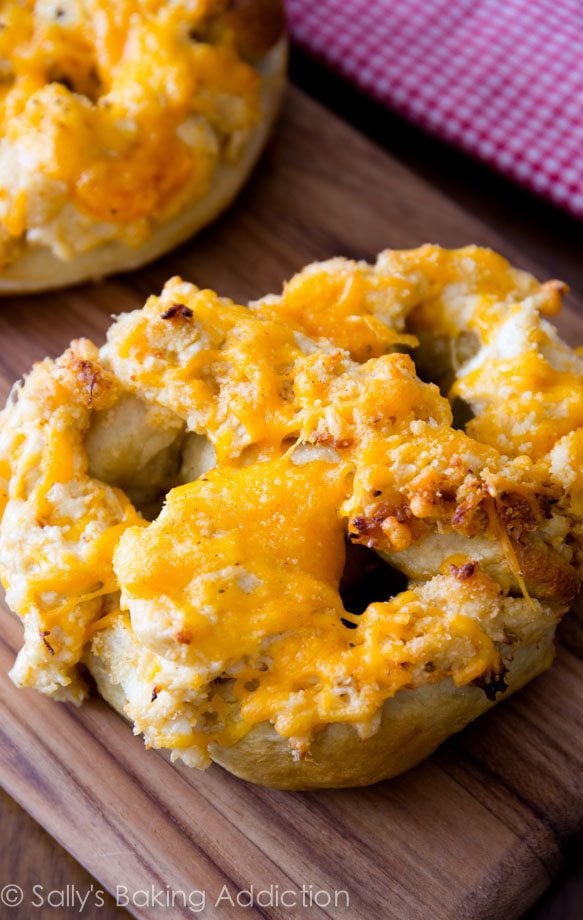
114,115
226,610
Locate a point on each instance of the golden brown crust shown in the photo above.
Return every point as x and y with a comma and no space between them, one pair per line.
546,573
414,723
294,700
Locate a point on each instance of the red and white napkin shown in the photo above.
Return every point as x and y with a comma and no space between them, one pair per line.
501,79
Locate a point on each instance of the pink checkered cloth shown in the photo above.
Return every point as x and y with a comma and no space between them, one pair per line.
501,79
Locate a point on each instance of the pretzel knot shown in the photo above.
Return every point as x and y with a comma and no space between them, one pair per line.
242,517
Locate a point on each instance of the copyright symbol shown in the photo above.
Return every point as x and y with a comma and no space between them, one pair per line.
11,895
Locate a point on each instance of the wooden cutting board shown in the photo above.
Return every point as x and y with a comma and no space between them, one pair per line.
480,829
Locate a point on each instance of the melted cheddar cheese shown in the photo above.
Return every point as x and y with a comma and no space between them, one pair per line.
549,401
225,370
59,527
349,303
239,577
483,320
275,433
114,115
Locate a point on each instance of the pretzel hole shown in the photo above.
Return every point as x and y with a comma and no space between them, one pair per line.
439,358
145,451
462,413
367,579
80,80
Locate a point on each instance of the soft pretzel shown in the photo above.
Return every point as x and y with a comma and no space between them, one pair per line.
126,127
483,336
205,482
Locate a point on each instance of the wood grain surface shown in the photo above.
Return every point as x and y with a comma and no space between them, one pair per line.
31,857
480,829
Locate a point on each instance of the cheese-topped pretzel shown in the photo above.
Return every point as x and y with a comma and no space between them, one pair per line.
483,335
126,126
421,488
278,436
272,383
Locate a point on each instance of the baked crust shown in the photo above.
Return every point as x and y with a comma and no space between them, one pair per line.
413,724
276,435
